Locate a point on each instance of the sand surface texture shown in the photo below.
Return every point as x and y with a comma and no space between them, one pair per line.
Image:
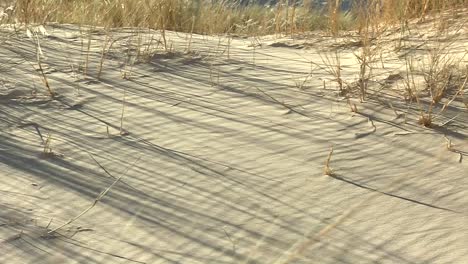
213,151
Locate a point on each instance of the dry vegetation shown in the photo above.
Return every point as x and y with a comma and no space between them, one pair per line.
435,80
222,16
198,16
430,84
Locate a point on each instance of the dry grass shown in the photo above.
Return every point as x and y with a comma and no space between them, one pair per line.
98,198
332,64
223,16
440,71
327,170
400,10
197,16
34,36
439,77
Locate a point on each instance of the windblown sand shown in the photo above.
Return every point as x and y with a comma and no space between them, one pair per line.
221,151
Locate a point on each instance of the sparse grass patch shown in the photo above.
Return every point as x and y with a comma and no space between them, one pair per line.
333,66
47,151
437,72
34,35
435,81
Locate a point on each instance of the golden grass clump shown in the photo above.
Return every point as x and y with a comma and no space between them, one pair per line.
398,10
197,16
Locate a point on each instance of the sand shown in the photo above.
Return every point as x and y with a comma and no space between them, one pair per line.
214,150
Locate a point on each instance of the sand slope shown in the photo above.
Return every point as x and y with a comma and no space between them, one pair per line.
222,154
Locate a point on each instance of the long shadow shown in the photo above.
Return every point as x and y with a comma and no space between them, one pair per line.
390,194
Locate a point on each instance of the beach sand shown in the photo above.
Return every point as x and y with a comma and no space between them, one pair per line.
214,150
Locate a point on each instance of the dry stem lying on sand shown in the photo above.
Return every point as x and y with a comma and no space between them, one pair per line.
327,170
98,198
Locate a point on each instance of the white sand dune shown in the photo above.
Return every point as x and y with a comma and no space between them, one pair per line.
222,154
